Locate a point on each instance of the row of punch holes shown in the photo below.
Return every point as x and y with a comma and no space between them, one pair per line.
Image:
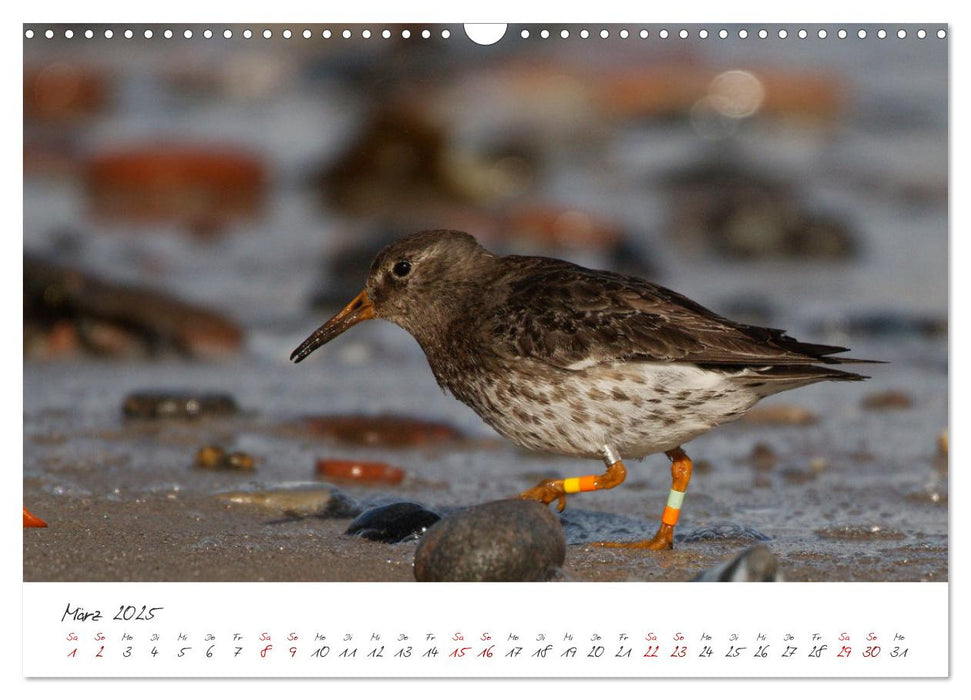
487,37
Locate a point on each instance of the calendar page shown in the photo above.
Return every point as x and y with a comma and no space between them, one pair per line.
431,350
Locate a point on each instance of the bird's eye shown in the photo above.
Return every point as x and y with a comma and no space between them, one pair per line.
401,268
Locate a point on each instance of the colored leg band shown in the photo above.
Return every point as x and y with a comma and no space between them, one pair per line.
577,484
673,509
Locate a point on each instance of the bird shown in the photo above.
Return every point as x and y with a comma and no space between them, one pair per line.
567,360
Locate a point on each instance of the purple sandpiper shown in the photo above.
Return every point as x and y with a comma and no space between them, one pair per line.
563,359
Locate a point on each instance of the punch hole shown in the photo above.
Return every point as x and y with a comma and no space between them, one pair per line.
228,34
524,34
207,34
326,34
763,34
703,33
346,34
723,34
921,34
247,34
425,34
187,34
564,34
663,33
267,34
287,34
624,33
683,34
584,34
841,33
644,33
68,34
861,33
821,34
941,34
129,33
743,34
366,33
604,33
545,34
386,34
307,33
167,33
405,34
29,34
49,33
882,34
803,34
901,34
149,34
783,33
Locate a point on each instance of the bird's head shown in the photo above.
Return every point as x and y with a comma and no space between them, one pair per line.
419,282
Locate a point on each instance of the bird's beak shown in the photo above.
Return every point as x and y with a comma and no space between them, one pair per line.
361,309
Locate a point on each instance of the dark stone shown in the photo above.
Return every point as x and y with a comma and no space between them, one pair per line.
156,405
394,522
756,564
726,531
509,540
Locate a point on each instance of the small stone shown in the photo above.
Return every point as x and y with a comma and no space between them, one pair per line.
726,531
779,414
214,458
362,472
509,540
891,400
756,564
394,522
383,430
31,520
859,532
162,405
309,500
763,457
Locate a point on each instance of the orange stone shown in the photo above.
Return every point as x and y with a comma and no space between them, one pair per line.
354,470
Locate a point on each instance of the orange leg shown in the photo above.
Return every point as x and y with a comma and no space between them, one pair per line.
664,538
551,490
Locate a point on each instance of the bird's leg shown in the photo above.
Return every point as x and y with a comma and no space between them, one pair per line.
680,476
550,490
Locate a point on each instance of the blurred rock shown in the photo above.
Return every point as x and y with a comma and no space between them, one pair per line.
732,210
763,457
161,405
510,540
886,324
756,564
67,311
779,414
60,92
302,501
393,523
890,400
382,430
361,472
201,187
215,458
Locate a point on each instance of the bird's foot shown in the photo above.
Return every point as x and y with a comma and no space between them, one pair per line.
546,492
664,539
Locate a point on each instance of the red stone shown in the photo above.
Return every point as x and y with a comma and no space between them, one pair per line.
354,470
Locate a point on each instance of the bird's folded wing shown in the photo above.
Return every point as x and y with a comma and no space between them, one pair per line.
571,317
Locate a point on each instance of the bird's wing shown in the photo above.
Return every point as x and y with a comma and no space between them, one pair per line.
571,317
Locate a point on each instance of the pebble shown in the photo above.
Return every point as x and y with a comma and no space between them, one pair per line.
384,430
763,457
891,400
394,522
161,405
510,540
365,472
215,458
726,531
859,532
304,501
756,564
779,414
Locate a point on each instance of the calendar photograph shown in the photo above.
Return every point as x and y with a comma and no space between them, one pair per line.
420,303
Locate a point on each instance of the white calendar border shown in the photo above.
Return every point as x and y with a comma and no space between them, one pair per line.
701,11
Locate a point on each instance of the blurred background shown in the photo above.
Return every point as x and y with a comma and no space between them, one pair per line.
195,207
